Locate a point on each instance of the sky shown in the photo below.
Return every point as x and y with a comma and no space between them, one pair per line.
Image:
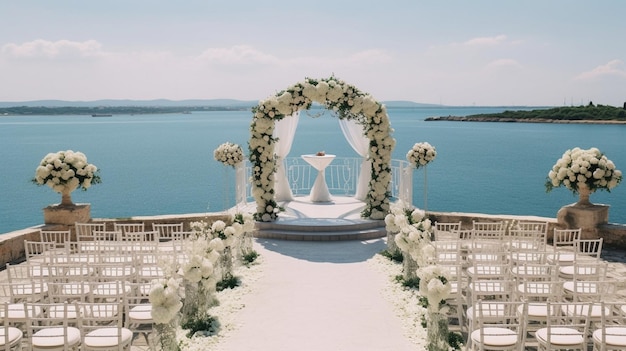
460,53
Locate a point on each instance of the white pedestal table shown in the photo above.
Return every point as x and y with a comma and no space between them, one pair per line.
319,191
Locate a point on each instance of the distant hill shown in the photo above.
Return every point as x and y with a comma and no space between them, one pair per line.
135,103
407,104
173,103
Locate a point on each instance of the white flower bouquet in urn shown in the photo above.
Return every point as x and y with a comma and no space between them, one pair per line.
583,172
66,171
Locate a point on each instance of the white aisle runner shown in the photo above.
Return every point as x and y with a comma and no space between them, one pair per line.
316,296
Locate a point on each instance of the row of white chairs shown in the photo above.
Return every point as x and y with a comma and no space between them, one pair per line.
503,325
106,324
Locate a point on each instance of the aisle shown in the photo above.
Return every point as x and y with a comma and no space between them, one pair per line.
318,296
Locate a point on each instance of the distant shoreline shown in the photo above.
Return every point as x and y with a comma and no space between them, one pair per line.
518,120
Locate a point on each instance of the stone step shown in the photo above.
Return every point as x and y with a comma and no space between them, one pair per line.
321,229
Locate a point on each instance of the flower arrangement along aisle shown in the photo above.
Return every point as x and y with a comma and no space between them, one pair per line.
420,155
411,232
184,298
583,172
66,171
229,154
348,102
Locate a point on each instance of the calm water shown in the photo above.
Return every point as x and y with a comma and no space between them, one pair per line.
163,164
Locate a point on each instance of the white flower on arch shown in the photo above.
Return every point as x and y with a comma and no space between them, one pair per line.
345,100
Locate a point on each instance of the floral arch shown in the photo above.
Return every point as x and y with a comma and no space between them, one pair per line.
347,102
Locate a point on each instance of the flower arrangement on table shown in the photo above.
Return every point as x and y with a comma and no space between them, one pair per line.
229,154
421,154
348,102
583,172
66,171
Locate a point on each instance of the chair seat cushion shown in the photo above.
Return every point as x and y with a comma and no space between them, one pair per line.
141,313
108,337
615,336
54,337
560,336
494,336
17,312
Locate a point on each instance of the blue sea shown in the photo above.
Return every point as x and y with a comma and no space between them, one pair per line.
163,164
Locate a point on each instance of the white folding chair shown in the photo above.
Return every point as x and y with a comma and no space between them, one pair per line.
488,230
537,293
27,282
611,332
39,252
102,326
52,332
458,285
527,237
62,240
491,291
564,331
498,326
10,337
138,310
564,246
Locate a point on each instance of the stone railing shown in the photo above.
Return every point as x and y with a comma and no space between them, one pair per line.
341,178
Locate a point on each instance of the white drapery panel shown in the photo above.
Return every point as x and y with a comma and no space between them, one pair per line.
355,136
284,130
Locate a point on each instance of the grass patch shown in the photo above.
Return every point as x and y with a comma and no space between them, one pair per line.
250,257
229,282
395,256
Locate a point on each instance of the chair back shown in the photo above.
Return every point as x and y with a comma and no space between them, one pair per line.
129,227
488,230
589,249
84,231
10,337
166,230
565,238
446,231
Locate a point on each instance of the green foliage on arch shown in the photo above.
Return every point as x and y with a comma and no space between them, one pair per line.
347,102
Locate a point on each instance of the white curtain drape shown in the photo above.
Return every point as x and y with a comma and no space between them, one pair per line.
360,143
284,130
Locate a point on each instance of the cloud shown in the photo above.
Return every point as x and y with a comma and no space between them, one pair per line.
614,68
485,41
504,63
373,56
238,54
52,49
